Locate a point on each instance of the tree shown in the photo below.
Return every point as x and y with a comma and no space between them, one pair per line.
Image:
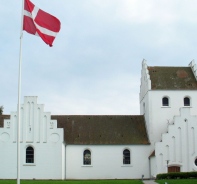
1,110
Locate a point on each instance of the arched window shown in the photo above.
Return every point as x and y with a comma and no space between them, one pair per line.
126,157
87,157
29,155
186,101
165,101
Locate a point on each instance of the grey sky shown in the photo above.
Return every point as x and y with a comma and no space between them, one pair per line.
94,66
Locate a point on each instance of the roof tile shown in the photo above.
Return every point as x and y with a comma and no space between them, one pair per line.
172,78
103,129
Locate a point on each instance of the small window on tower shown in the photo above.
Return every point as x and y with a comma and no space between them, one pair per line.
186,101
165,101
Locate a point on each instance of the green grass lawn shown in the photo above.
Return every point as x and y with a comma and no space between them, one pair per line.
180,181
73,182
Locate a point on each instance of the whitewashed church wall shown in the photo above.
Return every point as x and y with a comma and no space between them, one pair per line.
145,108
153,169
178,146
162,116
63,161
145,85
8,160
144,100
107,162
37,131
47,165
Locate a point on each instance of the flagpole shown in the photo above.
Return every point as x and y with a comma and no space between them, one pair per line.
19,98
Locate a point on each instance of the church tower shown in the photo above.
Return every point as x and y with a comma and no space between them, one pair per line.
163,91
168,100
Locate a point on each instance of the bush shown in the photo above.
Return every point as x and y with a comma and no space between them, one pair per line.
177,175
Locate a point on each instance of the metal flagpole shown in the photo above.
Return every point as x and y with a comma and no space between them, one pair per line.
19,96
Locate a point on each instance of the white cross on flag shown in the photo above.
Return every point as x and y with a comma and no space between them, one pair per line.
40,23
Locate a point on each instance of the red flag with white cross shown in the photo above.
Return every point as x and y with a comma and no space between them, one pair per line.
40,23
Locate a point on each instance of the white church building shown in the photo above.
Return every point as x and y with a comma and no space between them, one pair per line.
163,138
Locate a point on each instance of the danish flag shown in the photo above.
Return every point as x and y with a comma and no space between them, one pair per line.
40,23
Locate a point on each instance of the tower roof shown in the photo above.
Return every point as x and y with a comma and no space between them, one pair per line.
172,78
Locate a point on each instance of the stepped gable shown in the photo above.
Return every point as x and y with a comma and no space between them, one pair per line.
172,78
103,129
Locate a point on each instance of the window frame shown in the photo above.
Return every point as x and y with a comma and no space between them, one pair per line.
84,161
124,161
29,160
25,163
164,104
185,103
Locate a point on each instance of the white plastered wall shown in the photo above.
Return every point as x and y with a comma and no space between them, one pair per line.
144,99
178,145
153,169
162,116
39,132
107,162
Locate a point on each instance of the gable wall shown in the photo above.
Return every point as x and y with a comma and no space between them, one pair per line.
38,131
178,146
144,99
145,85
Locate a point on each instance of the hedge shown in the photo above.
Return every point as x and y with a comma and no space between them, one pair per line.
177,175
